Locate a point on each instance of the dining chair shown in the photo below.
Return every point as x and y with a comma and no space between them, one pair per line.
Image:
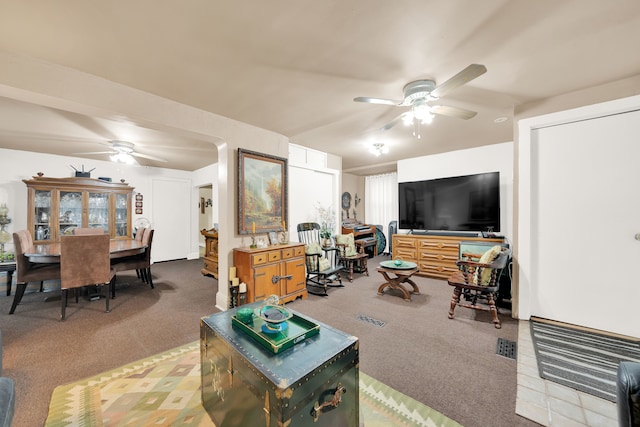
140,234
84,261
83,231
26,271
141,263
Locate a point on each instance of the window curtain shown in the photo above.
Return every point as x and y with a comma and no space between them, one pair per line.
381,201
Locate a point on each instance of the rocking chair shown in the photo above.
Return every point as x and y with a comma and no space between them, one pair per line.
323,268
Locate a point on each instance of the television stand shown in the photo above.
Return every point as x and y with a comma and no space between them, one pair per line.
435,252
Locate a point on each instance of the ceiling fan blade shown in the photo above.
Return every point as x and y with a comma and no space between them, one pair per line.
145,156
394,122
377,100
97,152
464,76
460,113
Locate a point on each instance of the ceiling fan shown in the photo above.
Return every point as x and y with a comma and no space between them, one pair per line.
420,93
122,152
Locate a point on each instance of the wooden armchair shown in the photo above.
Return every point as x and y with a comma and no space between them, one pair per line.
478,279
350,258
323,268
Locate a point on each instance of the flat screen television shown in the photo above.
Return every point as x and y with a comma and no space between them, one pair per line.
460,203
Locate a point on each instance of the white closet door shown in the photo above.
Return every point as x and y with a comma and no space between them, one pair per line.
171,212
585,211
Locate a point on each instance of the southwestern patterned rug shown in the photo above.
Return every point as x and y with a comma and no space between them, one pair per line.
164,390
581,359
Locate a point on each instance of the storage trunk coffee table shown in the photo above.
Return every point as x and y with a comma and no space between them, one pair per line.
307,375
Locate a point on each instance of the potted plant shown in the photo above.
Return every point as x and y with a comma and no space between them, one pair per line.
327,219
325,235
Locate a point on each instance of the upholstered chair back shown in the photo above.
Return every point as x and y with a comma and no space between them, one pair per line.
84,260
80,231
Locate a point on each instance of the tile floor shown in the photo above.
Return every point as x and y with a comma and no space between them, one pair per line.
552,404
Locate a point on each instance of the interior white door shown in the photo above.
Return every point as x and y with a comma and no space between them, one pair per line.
307,188
585,218
171,202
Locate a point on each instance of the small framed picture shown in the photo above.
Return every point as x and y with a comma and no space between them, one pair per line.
138,204
139,197
138,211
273,238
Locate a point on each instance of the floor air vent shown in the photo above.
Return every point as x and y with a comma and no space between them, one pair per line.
507,348
371,320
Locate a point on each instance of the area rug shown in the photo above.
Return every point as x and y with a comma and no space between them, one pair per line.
581,359
164,390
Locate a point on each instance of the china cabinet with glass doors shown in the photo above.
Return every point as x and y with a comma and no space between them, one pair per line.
58,205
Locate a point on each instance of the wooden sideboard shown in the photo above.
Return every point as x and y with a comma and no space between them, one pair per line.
436,255
275,270
210,267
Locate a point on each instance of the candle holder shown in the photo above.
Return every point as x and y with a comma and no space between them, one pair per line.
234,297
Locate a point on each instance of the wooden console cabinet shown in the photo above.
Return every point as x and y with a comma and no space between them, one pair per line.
436,255
210,267
275,270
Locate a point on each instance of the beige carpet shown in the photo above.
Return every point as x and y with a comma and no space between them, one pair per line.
164,390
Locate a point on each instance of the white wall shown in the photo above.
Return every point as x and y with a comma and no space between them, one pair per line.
491,158
578,216
19,165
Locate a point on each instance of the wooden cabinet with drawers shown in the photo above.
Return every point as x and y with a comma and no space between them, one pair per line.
436,255
210,267
276,270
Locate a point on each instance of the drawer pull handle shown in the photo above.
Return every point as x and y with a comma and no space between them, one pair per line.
276,279
335,396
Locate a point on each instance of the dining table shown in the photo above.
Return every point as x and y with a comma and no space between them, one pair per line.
49,253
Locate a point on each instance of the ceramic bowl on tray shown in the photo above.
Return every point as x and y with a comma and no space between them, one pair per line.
273,313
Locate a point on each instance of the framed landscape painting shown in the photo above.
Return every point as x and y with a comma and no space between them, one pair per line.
262,192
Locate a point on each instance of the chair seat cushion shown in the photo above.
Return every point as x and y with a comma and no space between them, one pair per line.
348,241
324,264
488,257
313,248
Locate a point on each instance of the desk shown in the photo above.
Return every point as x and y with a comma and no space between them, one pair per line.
400,276
9,267
50,253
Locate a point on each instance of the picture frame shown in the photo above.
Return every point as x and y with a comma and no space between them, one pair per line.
139,197
273,238
262,192
138,211
138,204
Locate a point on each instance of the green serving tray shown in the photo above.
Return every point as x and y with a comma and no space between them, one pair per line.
298,330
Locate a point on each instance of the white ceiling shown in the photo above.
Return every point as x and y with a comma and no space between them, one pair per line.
294,67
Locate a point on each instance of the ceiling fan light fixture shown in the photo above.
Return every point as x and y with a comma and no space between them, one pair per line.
378,149
123,157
